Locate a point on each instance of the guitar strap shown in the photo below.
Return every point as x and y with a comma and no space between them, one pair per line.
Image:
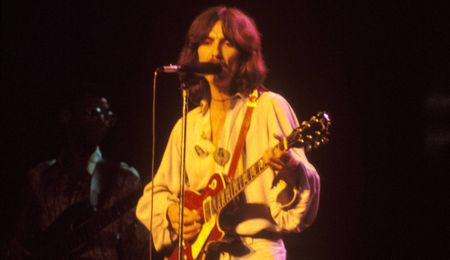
251,104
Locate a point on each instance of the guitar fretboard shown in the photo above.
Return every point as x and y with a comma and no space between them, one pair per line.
310,135
237,185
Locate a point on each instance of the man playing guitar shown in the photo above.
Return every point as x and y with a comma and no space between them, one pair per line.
284,198
78,205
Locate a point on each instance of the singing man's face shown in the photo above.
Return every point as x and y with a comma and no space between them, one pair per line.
216,48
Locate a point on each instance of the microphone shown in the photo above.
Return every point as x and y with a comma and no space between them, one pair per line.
201,68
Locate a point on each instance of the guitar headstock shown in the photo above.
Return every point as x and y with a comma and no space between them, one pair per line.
311,133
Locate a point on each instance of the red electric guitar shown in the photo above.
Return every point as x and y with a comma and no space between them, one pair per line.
218,193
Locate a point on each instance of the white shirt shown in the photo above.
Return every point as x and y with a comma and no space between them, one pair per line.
272,115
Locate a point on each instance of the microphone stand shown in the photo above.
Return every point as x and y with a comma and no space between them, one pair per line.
185,94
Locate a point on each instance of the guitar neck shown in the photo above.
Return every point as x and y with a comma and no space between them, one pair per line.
97,223
310,135
233,189
107,216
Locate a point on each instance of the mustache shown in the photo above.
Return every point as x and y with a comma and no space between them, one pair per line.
221,62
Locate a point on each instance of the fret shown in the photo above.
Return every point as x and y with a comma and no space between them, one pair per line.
230,187
241,182
226,197
235,188
252,172
257,169
230,193
245,179
261,165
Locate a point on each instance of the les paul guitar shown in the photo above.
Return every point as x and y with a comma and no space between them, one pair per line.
218,193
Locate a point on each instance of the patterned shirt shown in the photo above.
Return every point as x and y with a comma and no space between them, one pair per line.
61,198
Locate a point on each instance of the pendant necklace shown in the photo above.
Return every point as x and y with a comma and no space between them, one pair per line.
221,155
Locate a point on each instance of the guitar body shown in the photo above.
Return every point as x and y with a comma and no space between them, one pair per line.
211,230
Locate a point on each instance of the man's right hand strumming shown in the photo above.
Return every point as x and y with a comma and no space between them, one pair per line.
191,221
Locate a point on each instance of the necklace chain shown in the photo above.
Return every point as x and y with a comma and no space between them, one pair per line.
221,155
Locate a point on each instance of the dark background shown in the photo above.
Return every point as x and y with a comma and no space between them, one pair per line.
379,69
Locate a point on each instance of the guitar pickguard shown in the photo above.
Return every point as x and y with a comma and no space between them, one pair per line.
204,234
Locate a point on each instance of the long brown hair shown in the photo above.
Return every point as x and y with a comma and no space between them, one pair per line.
242,32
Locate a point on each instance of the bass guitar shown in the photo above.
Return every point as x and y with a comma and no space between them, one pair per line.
75,227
